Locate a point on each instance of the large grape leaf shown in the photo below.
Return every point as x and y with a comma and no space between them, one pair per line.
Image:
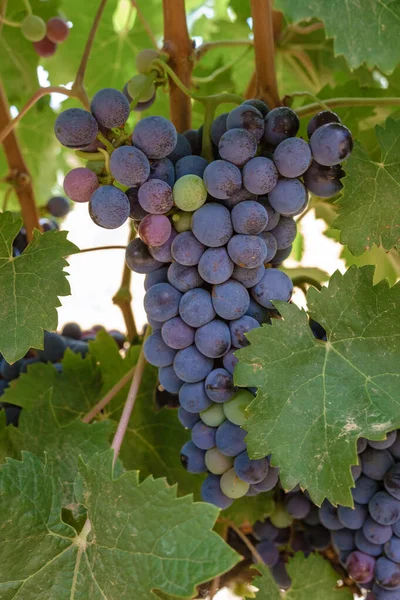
30,285
363,32
250,508
40,433
369,207
312,578
140,537
315,398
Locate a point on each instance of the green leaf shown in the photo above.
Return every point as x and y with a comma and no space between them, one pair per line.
140,537
385,266
315,398
366,32
250,509
369,211
312,578
30,285
306,273
40,433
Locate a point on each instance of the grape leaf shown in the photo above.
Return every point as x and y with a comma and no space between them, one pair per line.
312,578
140,536
250,509
369,208
39,432
363,32
30,285
320,397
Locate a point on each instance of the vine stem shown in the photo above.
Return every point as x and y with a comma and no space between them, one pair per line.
123,297
10,23
19,168
310,109
217,72
244,539
102,248
264,47
145,24
101,404
130,401
179,47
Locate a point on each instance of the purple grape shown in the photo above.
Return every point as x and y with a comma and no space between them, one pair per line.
297,505
230,439
273,215
248,470
280,574
161,302
58,206
187,419
375,533
211,492
213,339
280,123
129,166
109,207
191,366
392,549
360,567
292,157
190,165
181,149
215,266
343,539
192,136
186,249
317,537
269,481
313,517
163,169
248,277
328,516
80,183
275,285
248,251
366,546
184,278
155,136
364,489
384,509
169,380
395,447
331,144
387,574
271,244
192,458
229,360
193,397
246,117
258,104
239,328
353,518
139,259
237,146
321,118
323,181
375,463
155,196
219,386
260,175
260,313
249,217
176,334
163,253
392,481
155,230
212,225
196,307
230,299
110,108
384,444
203,436
378,593
157,352
222,179
281,255
136,211
284,233
241,195
218,128
76,128
264,530
268,552
288,196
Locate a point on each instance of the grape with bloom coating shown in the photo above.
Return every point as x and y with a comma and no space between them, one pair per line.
109,207
110,108
248,251
331,144
186,249
275,285
246,117
215,265
75,128
219,385
184,278
230,299
139,259
260,175
129,166
196,307
288,196
157,352
155,196
280,123
80,183
285,233
190,165
212,225
249,217
57,30
155,136
172,384
292,157
321,118
213,339
193,397
177,334
237,146
211,492
191,366
323,181
161,302
218,128
154,230
222,179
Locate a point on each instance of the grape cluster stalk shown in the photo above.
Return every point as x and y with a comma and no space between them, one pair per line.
210,236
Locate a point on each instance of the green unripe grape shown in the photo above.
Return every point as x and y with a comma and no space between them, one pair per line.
280,518
33,28
189,193
182,221
140,84
235,409
232,486
214,415
145,58
216,462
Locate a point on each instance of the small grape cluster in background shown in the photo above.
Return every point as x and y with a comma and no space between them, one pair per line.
55,345
45,37
210,234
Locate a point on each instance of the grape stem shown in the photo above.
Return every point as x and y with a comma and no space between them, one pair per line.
106,159
310,109
303,279
207,46
130,401
123,297
218,72
244,538
10,23
145,24
264,47
19,169
101,404
102,248
28,7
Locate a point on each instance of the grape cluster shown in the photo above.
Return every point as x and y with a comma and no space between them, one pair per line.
367,538
208,233
45,36
55,345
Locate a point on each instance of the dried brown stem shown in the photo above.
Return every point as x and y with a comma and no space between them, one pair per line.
263,29
19,170
179,47
123,297
101,404
244,539
145,23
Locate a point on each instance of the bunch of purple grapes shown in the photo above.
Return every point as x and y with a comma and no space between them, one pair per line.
367,537
209,235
